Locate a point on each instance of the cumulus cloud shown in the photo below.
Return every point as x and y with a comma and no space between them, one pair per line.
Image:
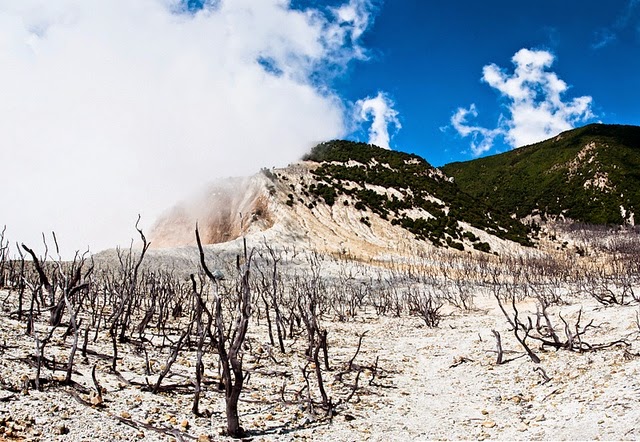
110,108
534,106
379,110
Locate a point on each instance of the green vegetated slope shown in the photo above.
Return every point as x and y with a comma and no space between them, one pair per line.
355,169
590,174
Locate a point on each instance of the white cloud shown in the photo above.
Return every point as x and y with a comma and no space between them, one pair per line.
534,104
380,111
110,108
627,19
603,38
482,138
357,14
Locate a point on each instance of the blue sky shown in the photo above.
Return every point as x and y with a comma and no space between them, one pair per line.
429,56
114,108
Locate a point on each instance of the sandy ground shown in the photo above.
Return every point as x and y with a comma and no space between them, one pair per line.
440,383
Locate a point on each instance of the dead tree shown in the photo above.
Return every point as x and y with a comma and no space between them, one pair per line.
72,279
4,259
520,330
308,295
200,309
20,284
230,346
574,341
275,286
425,305
456,272
171,359
57,307
547,335
72,282
73,285
127,289
609,288
269,289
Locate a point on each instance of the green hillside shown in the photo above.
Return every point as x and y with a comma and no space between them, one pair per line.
590,174
352,168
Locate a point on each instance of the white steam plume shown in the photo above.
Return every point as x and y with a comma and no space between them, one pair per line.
110,108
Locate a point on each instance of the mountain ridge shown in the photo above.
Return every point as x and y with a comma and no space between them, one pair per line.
343,197
589,174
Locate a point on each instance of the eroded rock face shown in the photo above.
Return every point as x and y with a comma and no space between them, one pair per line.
225,211
283,206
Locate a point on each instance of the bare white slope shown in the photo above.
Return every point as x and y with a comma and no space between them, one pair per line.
438,384
256,208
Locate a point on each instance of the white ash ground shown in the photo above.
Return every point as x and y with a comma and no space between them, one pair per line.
439,383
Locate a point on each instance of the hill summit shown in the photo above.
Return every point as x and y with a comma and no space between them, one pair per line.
344,197
590,174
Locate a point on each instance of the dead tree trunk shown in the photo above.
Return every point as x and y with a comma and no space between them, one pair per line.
127,289
499,360
57,310
74,347
274,297
202,334
231,357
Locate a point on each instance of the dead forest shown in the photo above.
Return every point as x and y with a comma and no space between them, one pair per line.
256,330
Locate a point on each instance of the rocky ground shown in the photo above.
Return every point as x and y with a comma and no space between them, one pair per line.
429,383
